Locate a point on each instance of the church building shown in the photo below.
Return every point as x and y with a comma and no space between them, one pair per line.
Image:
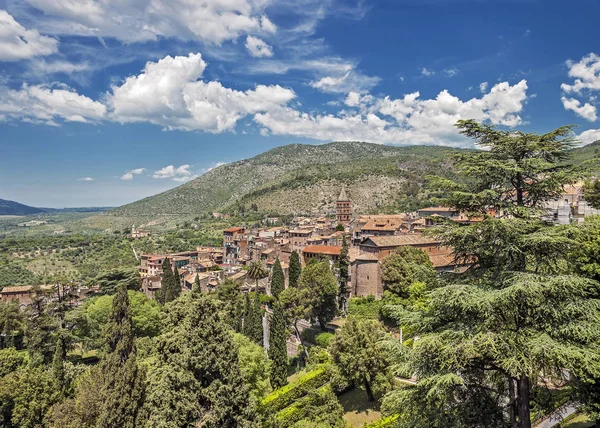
343,208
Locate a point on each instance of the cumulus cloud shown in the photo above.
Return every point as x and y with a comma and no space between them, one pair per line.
483,87
586,75
587,110
168,93
258,48
17,43
213,21
179,174
589,136
46,104
407,120
86,179
128,176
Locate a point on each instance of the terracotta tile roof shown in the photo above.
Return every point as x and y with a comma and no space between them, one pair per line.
233,229
400,240
367,257
323,249
441,209
16,289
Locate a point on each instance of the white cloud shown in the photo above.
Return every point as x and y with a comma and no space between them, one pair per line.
586,73
213,21
352,99
179,174
168,93
586,111
589,136
46,104
483,87
258,48
17,43
351,81
128,176
451,72
43,67
426,72
85,179
408,120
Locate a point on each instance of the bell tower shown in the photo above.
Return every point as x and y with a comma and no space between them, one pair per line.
343,208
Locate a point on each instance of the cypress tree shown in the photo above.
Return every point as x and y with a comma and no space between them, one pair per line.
121,380
255,327
196,290
58,368
278,347
176,284
343,264
277,279
295,269
247,315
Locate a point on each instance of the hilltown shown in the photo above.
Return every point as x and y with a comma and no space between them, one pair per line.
370,238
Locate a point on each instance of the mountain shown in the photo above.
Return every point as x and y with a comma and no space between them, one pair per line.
298,179
15,208
307,179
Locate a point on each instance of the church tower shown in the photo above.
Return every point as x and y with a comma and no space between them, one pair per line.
343,208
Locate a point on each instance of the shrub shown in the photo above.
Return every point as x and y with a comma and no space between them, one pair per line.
285,396
323,339
382,423
365,307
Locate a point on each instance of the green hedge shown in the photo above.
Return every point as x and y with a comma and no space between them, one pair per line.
382,423
292,414
285,396
365,307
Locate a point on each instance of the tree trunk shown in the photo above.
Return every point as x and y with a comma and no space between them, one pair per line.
523,402
368,389
512,408
597,423
519,189
300,340
322,324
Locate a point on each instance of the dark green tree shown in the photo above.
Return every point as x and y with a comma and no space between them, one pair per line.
295,269
170,286
40,329
58,367
196,289
230,296
321,288
255,321
197,380
278,347
489,327
12,324
120,379
591,191
247,315
404,267
343,264
360,355
295,304
277,279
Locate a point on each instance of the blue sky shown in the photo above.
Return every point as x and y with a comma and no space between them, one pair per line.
106,102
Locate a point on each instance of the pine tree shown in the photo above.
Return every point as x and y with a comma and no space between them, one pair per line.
277,279
295,269
40,328
197,379
170,284
278,347
121,380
